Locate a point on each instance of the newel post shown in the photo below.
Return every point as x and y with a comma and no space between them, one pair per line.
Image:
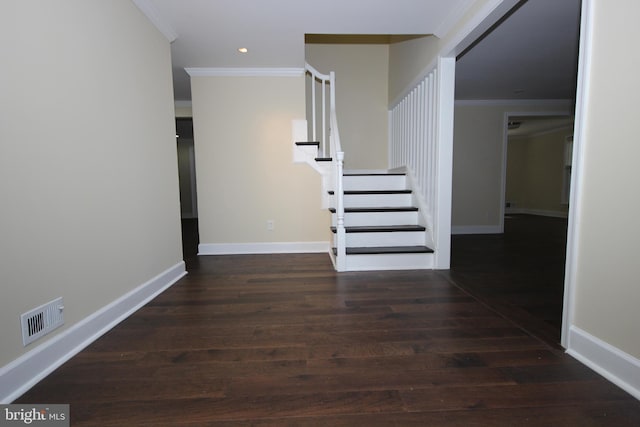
341,240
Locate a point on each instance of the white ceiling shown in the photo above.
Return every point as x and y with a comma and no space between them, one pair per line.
209,32
533,50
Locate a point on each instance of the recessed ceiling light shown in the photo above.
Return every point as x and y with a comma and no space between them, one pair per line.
243,50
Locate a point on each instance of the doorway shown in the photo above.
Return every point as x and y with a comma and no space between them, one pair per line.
513,67
188,191
537,163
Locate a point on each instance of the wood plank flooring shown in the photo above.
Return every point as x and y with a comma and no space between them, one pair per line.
283,340
519,273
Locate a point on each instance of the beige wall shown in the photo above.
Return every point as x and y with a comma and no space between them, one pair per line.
88,171
607,290
478,155
244,168
535,170
407,61
361,99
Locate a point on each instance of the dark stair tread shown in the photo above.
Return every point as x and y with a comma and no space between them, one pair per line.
381,250
381,228
378,209
303,143
374,174
374,192
323,159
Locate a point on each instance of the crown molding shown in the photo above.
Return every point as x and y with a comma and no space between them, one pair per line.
245,72
513,102
152,14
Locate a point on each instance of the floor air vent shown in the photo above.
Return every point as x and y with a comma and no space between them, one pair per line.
42,320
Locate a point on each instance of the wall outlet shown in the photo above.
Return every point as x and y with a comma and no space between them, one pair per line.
270,225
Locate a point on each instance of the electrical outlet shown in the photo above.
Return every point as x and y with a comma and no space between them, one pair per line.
270,225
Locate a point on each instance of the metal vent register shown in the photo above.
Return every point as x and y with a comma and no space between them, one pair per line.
42,320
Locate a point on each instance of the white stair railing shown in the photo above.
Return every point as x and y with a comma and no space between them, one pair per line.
422,141
331,150
414,137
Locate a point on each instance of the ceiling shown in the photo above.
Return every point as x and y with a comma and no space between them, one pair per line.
533,52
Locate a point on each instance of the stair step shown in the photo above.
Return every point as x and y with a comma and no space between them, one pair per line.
374,181
381,250
364,192
381,228
304,143
323,159
378,209
374,174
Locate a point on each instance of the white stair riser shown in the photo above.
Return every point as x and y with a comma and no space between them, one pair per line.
353,219
374,200
374,182
389,262
395,238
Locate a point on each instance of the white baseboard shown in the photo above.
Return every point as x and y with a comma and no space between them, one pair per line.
23,373
538,212
612,363
476,229
262,248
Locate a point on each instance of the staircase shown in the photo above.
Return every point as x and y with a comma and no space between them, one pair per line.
382,226
379,222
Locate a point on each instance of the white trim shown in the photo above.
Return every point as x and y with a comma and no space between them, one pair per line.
24,372
444,161
454,16
538,212
476,229
477,25
262,248
152,14
245,72
547,103
577,168
612,363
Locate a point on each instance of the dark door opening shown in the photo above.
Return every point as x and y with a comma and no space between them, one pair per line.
188,191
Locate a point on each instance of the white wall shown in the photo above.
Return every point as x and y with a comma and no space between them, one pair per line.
361,98
244,163
88,170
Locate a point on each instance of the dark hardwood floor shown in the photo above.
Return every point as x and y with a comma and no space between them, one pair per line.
519,273
283,340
